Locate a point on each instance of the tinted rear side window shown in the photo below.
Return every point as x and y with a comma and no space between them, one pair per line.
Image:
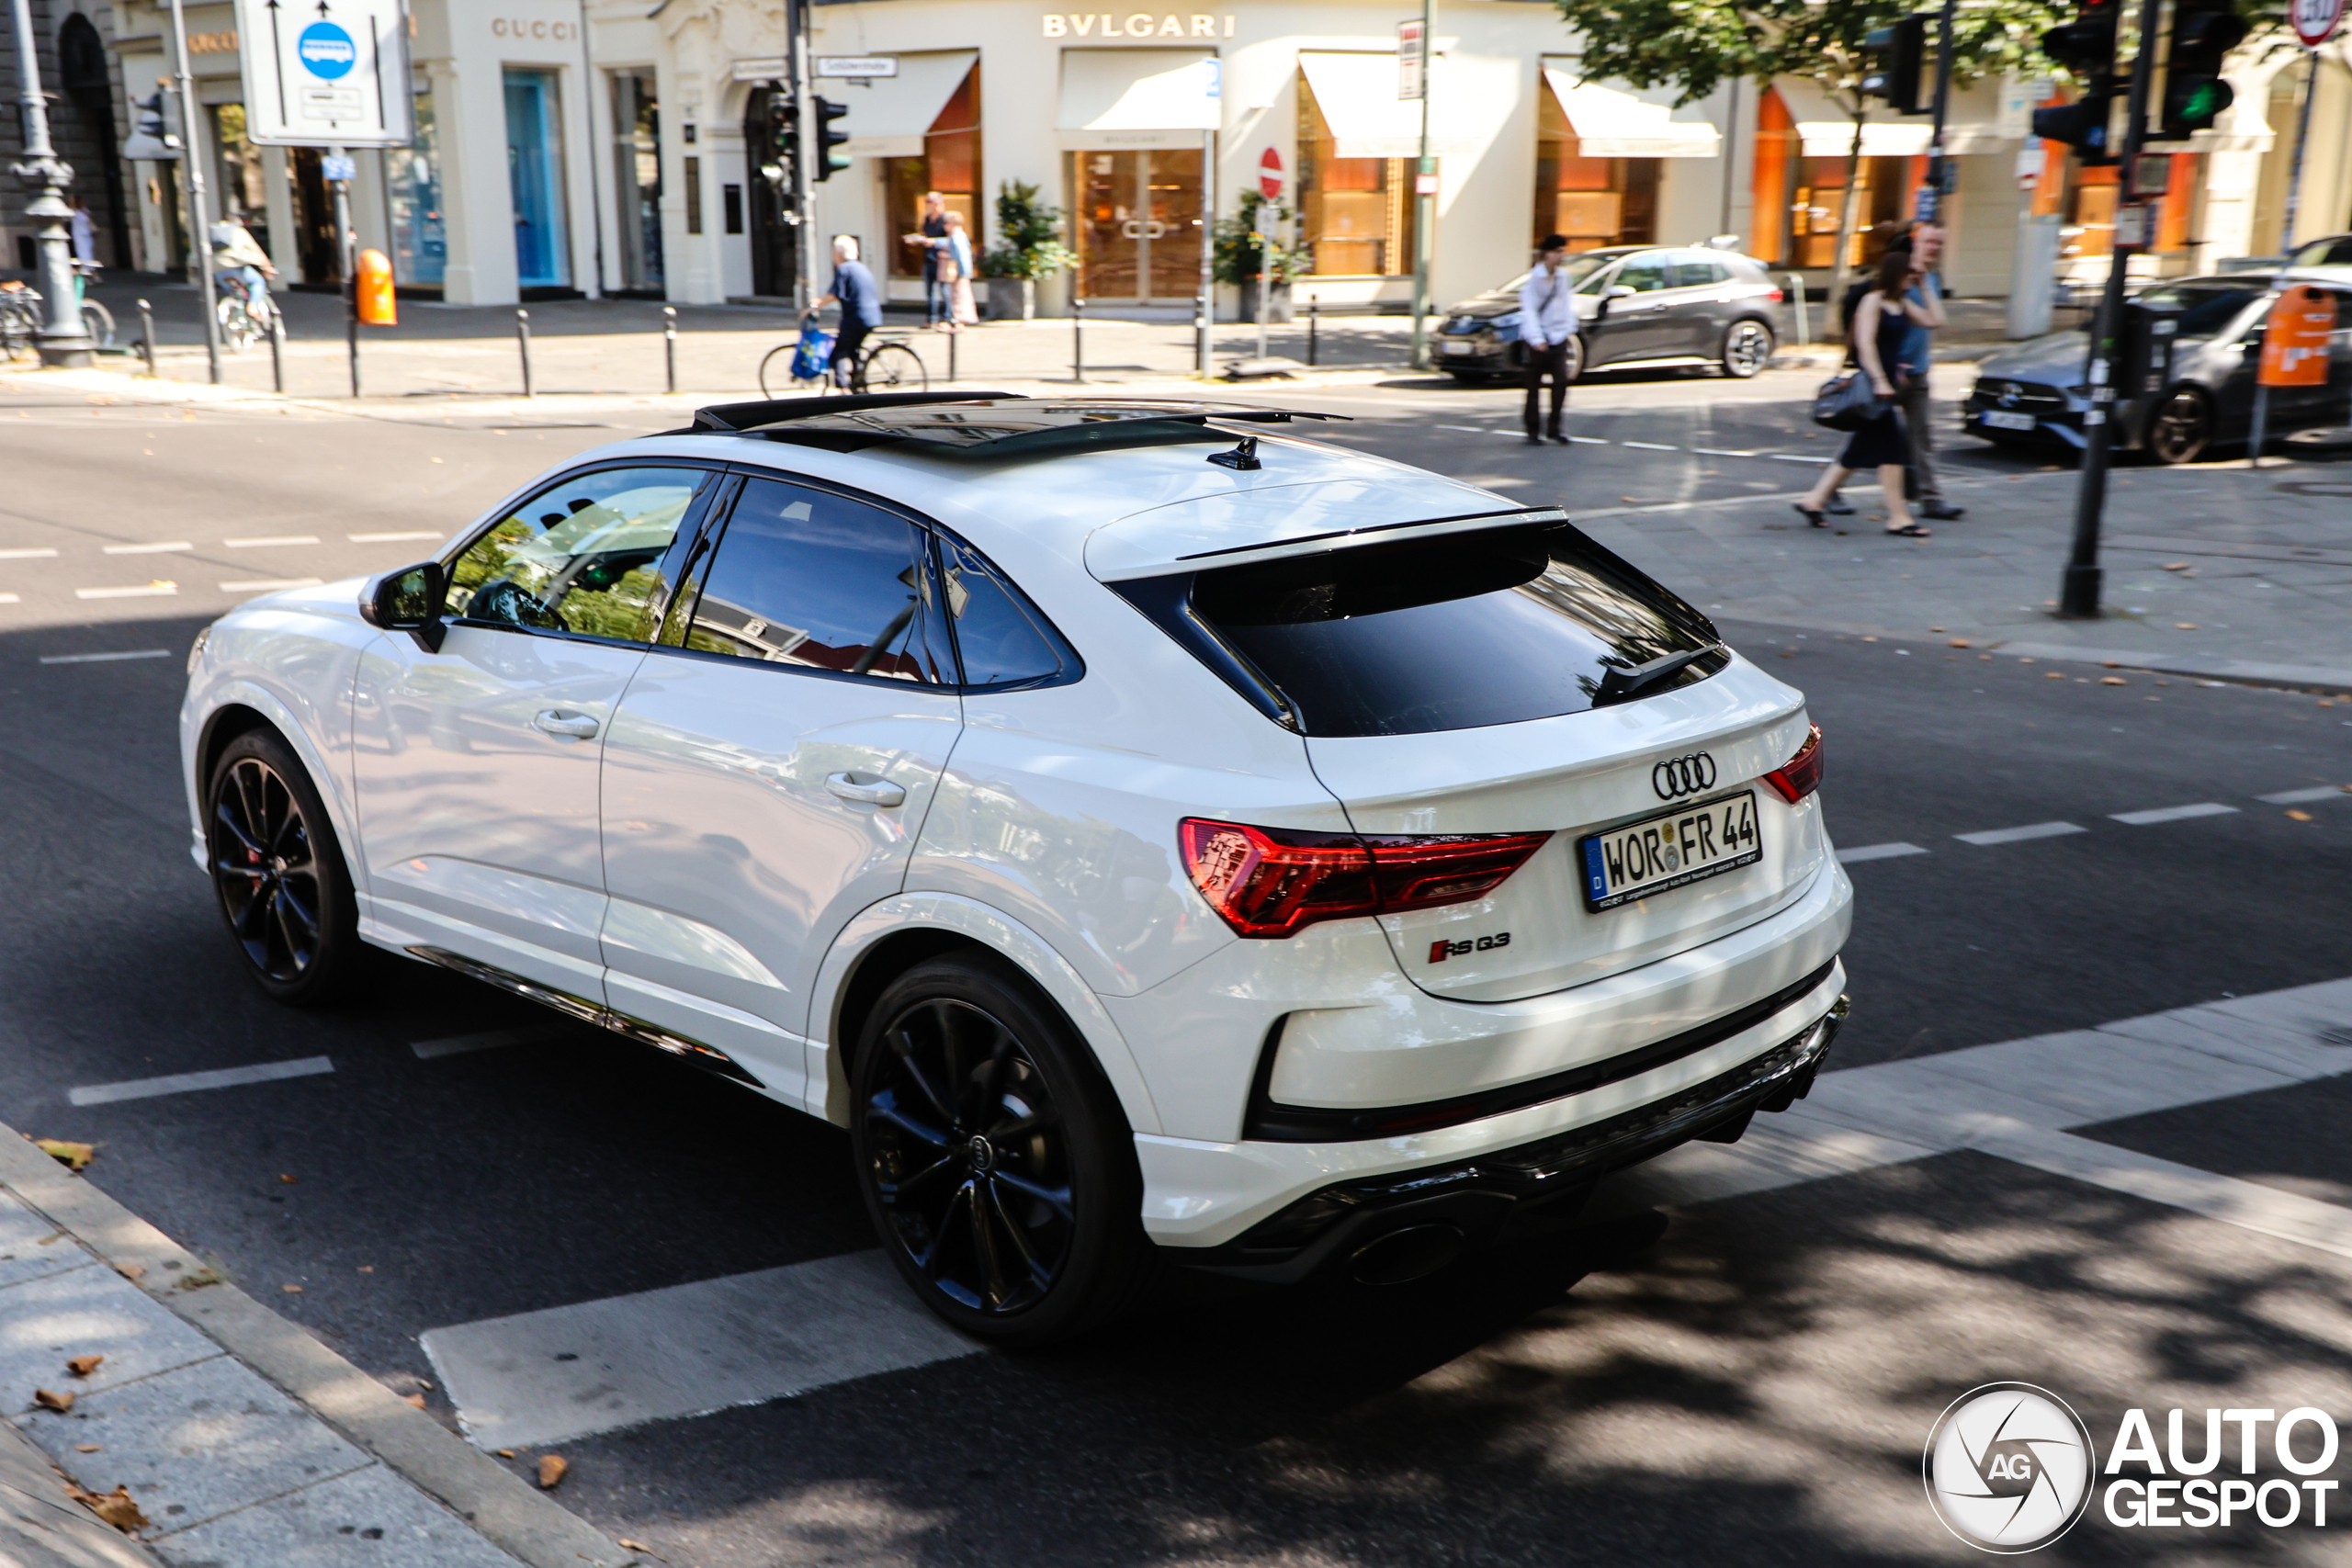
1452,633
2205,308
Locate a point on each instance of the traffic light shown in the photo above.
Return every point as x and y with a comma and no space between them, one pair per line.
1893,57
2085,48
783,136
829,163
2193,93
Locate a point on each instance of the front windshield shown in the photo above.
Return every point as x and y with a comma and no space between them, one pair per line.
1580,270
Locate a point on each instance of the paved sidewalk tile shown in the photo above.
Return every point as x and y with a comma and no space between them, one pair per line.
194,1443
90,1310
30,1247
369,1518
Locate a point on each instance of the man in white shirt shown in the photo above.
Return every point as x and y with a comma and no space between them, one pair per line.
1548,325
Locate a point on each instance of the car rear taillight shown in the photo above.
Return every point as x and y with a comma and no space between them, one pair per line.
1801,774
1778,296
1269,882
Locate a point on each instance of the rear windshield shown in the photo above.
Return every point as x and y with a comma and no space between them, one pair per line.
1455,632
2205,308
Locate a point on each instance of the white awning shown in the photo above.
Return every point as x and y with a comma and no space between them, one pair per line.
1613,124
888,114
1827,130
1132,90
1357,94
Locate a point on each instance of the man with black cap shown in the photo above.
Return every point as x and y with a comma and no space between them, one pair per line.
1547,327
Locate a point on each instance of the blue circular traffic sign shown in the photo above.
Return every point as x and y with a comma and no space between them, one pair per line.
326,50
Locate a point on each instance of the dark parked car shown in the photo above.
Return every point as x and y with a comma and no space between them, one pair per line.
2190,392
1635,304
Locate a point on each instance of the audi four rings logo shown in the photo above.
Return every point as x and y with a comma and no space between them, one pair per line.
1679,776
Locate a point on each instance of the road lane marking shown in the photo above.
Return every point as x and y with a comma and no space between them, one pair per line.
2298,796
1877,851
1650,447
152,591
29,554
272,539
2172,814
175,545
391,538
1473,429
565,1372
187,1083
2019,835
1580,440
1793,457
264,584
2248,1206
459,1045
1720,452
10,599
105,658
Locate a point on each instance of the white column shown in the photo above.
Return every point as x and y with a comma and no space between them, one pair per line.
285,250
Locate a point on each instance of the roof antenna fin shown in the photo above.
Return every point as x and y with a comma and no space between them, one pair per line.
1244,456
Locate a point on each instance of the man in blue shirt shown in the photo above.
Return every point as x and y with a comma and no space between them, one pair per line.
854,291
1918,356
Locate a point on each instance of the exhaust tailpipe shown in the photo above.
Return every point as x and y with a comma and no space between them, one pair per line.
1408,1254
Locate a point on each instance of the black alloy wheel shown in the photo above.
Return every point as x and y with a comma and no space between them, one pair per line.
280,874
994,1160
2181,427
1748,348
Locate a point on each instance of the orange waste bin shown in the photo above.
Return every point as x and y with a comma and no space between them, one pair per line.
376,304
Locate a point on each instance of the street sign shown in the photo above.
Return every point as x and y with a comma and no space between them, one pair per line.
1269,174
1413,55
325,73
332,168
2315,20
857,67
2135,224
2294,346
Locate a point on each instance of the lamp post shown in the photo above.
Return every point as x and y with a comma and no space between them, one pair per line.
61,341
1424,202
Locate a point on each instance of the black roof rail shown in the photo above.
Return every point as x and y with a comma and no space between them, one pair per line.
733,417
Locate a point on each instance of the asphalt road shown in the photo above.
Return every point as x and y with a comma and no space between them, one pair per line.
1735,1386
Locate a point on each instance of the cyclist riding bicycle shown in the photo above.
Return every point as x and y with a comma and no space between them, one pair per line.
236,253
854,291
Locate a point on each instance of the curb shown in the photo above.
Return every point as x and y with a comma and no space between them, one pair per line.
40,1528
494,1502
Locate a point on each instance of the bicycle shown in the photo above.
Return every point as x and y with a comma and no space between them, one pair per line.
21,318
96,320
244,315
887,363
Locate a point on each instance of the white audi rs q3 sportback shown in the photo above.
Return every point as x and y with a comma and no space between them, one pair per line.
1153,835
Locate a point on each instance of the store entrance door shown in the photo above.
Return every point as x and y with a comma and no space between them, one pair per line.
1139,225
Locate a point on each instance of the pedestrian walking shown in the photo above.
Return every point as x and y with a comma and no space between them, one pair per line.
82,231
852,290
955,266
1923,241
931,235
1882,325
1547,326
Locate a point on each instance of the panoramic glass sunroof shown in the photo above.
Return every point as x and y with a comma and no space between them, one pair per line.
996,424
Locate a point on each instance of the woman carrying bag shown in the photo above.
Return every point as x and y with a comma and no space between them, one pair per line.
955,272
1881,322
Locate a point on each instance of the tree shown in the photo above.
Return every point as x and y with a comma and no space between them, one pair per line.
1696,46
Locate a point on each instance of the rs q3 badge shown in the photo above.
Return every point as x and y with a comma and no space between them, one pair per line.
1442,950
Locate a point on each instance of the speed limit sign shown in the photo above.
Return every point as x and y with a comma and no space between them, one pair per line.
2315,20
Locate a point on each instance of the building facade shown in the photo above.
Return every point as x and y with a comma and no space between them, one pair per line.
602,147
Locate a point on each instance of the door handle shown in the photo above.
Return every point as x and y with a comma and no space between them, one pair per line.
883,792
555,721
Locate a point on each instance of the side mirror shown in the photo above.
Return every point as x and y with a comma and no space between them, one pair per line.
408,600
1620,291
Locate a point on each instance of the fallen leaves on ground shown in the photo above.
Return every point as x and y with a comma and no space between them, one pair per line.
507,1453
73,1157
2113,681
2175,566
551,1469
89,1448
415,1399
2298,816
292,1289
134,1272
201,1278
48,1400
1958,642
82,1366
285,1178
2055,675
627,1545
2184,625
115,1507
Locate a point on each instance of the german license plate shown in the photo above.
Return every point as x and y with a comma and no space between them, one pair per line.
2001,420
1457,348
1673,849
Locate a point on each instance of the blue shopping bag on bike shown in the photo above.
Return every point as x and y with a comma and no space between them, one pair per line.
815,352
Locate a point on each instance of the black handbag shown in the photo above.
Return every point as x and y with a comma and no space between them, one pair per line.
1846,402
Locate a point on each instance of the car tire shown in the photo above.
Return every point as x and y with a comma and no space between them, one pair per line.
1746,349
278,874
2179,428
996,1163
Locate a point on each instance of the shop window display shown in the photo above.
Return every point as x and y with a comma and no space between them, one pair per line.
950,165
1356,213
1593,201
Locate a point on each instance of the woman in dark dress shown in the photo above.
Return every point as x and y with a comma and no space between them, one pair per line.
1880,324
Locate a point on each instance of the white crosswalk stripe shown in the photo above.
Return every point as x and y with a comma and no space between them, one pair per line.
2019,835
1877,851
2301,797
185,1083
2172,814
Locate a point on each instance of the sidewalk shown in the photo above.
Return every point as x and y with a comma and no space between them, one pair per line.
2219,572
238,1440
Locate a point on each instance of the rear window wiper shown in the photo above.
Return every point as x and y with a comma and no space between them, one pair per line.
1624,686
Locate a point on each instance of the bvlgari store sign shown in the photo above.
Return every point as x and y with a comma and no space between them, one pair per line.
1139,26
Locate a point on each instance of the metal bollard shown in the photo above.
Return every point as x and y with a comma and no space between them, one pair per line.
1796,298
1078,340
1314,313
278,350
953,338
1201,352
669,345
523,342
147,335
